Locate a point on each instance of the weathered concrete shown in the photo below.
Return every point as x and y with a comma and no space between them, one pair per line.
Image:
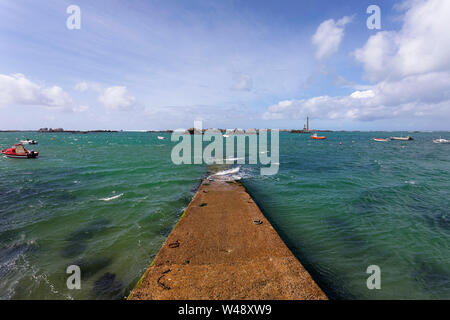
224,248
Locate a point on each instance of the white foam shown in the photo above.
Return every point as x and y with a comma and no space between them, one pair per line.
111,198
229,171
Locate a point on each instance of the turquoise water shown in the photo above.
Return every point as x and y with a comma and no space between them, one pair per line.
52,215
107,201
341,208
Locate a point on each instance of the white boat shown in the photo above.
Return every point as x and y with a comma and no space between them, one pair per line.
402,138
162,138
441,141
28,141
226,136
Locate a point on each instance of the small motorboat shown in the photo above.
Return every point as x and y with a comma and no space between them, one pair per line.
28,141
380,140
441,141
226,136
19,152
408,138
316,137
162,138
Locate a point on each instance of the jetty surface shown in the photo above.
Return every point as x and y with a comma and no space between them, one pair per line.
224,248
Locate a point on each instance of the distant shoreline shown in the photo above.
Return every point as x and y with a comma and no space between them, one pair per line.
65,131
295,131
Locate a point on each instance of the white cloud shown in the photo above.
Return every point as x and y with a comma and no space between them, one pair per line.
81,108
328,37
421,46
16,89
242,82
363,94
116,98
85,86
410,68
413,96
82,86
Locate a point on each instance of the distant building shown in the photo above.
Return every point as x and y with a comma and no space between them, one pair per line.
51,130
305,128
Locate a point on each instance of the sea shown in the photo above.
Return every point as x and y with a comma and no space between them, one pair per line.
106,202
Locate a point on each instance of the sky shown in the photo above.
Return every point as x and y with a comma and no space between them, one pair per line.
154,65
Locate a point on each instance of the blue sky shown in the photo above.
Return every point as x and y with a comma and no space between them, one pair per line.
264,64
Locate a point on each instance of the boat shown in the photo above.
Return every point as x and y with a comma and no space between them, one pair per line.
380,140
162,138
315,137
28,141
408,138
441,141
19,152
226,136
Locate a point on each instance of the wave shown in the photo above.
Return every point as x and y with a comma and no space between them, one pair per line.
111,198
226,172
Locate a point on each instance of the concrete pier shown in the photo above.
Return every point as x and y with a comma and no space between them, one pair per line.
224,248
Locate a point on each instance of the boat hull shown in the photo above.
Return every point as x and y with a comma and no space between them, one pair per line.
402,138
28,156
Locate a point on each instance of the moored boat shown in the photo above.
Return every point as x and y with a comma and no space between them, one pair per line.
408,138
441,140
28,141
316,137
380,140
162,138
19,152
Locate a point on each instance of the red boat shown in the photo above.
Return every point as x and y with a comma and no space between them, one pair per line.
315,137
18,151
